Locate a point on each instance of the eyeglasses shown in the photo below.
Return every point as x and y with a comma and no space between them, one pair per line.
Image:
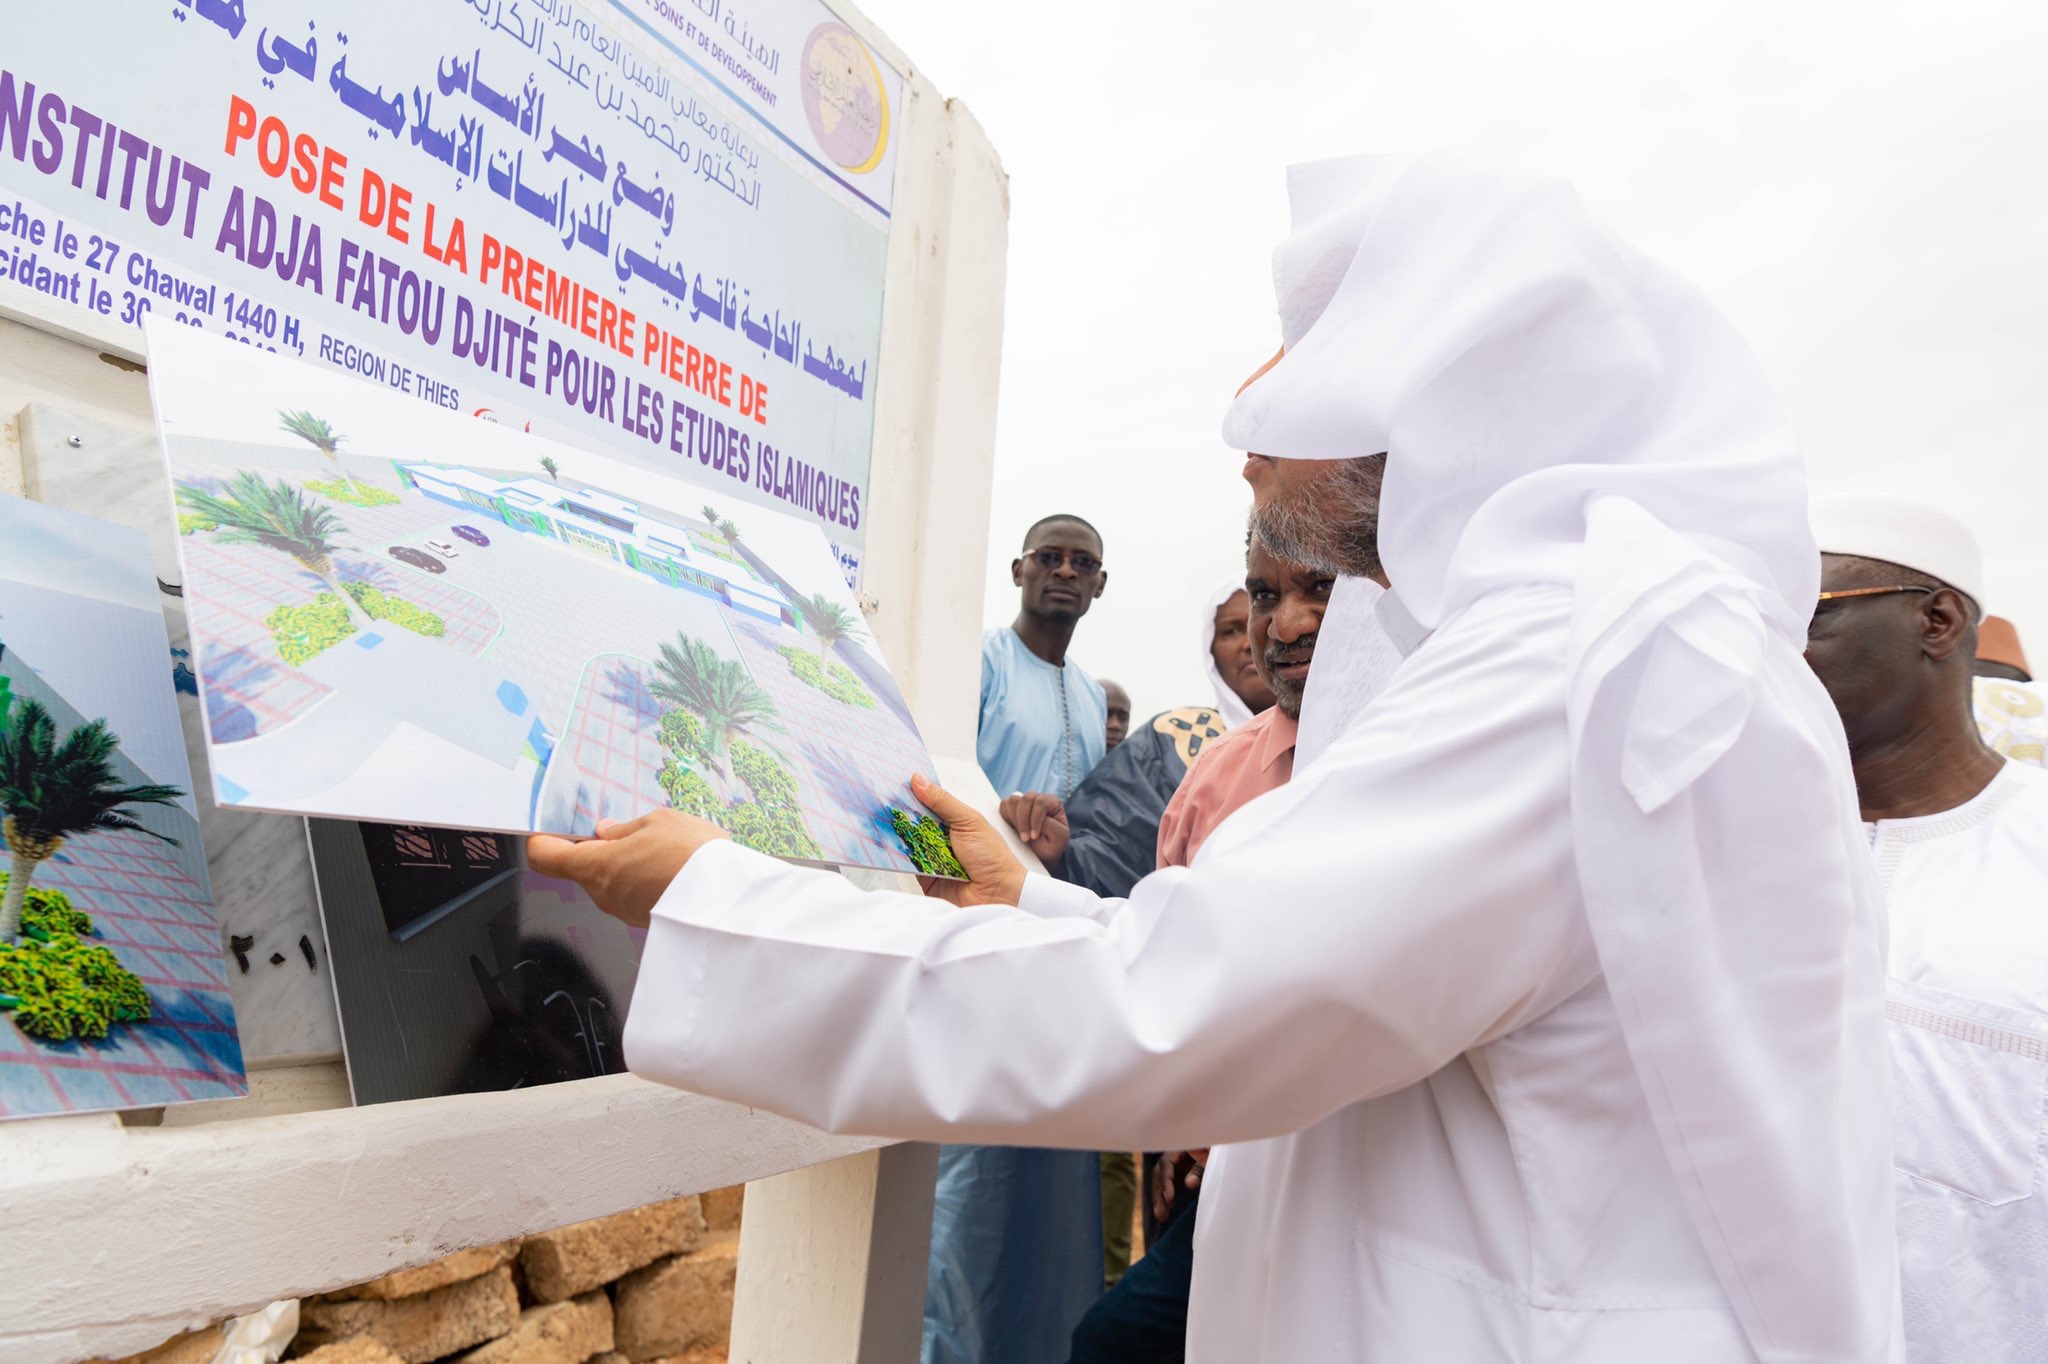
1847,593
1050,560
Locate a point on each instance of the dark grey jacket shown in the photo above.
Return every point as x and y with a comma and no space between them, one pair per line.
1113,816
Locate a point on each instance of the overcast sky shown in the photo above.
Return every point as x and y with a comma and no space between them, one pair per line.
1860,185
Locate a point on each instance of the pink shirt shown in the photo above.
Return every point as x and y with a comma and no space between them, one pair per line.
1244,764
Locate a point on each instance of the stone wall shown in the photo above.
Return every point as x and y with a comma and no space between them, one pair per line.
652,1285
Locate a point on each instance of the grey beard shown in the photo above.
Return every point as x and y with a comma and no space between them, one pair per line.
1287,694
1334,526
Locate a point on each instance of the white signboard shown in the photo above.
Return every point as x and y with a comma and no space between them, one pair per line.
656,226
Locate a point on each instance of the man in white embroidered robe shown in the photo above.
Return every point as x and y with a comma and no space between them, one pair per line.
1539,1018
1960,838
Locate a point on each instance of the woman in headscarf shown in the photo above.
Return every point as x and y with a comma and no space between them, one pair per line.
1227,648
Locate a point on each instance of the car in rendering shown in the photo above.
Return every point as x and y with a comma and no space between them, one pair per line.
473,535
418,558
443,548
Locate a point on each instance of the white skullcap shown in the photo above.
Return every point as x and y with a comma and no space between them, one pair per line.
1898,530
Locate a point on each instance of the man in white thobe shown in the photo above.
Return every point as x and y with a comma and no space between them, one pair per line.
1960,836
1540,1016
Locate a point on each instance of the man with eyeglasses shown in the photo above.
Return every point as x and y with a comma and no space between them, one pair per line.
1960,836
1017,1233
1043,719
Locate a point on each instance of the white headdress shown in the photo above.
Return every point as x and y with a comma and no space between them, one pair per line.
1556,407
1229,704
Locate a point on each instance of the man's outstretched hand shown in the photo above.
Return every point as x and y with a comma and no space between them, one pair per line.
627,866
1040,819
993,876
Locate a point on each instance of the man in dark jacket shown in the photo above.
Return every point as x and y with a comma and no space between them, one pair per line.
1106,836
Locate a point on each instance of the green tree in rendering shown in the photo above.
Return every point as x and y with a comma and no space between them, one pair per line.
59,986
313,430
721,693
927,844
723,526
554,470
316,431
250,511
52,791
828,620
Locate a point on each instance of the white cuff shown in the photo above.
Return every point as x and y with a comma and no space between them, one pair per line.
1048,897
721,863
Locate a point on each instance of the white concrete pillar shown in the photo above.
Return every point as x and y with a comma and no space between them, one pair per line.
832,1261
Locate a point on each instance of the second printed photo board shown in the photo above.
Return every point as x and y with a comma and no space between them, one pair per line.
406,615
113,985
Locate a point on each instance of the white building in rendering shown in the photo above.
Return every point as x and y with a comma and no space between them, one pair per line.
599,523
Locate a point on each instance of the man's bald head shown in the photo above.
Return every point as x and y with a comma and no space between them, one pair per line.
1117,723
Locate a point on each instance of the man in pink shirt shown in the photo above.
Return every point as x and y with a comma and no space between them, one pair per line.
1287,602
1144,1318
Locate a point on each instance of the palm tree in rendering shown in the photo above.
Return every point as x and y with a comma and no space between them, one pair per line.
52,791
720,692
721,526
554,470
316,432
250,511
313,430
828,620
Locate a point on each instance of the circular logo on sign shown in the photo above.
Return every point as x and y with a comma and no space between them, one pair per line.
843,98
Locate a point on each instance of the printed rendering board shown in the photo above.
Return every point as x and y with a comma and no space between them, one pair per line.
112,977
258,864
457,970
408,616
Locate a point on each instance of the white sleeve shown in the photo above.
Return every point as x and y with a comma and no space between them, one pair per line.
1048,897
1410,898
